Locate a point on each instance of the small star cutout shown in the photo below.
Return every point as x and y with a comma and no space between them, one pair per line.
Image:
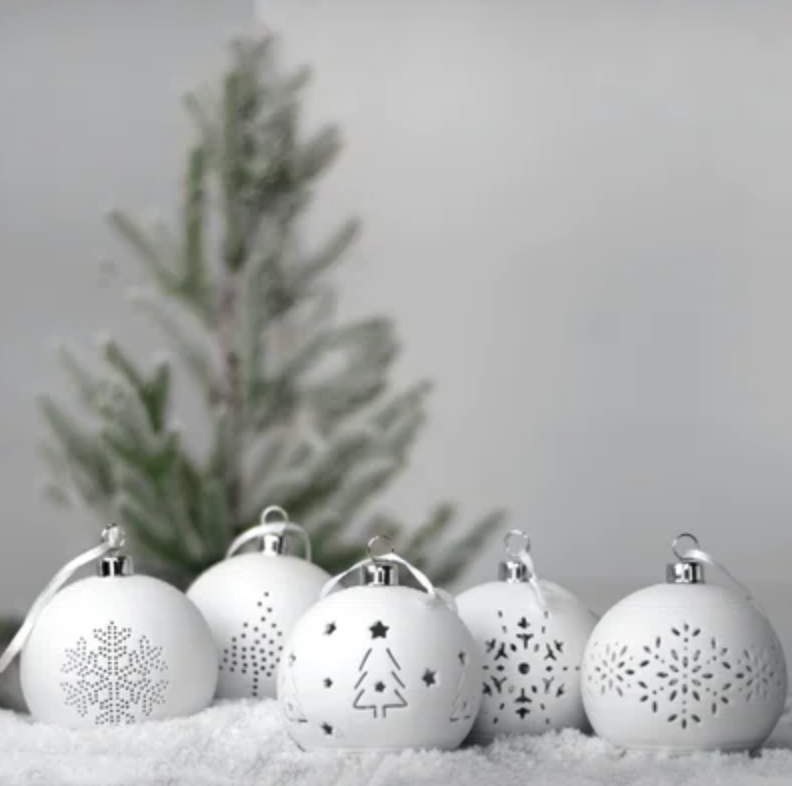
330,629
328,683
379,687
292,658
429,677
327,728
463,658
379,631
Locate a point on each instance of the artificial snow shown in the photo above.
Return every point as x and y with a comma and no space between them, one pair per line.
243,744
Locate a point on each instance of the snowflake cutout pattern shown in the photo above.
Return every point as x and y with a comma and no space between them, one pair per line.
686,675
254,654
541,665
612,669
113,678
759,674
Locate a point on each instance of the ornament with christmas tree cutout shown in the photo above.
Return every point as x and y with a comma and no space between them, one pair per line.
380,665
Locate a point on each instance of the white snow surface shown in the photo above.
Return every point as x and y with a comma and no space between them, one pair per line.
243,744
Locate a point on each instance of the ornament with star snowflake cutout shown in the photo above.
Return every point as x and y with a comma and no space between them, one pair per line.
531,645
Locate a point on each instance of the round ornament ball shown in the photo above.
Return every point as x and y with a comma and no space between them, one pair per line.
685,665
252,601
531,635
380,665
115,648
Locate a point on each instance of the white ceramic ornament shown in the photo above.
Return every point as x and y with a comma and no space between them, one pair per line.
685,665
115,648
252,600
531,636
381,665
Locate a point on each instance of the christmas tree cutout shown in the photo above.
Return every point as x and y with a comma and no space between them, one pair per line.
379,684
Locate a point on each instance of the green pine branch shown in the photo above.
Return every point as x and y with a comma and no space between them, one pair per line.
300,408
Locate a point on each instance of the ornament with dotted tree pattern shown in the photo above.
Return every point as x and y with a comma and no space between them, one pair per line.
252,600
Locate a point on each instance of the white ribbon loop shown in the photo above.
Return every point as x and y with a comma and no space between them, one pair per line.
525,557
522,554
267,527
394,559
258,531
697,555
111,543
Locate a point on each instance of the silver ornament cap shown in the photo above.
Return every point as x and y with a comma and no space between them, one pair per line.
379,572
513,570
114,563
275,545
272,543
684,570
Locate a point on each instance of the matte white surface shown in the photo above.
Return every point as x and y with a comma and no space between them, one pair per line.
251,602
380,668
113,651
682,668
531,656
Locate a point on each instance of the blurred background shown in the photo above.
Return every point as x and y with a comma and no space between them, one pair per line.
577,213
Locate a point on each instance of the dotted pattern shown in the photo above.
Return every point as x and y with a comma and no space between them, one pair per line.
685,675
114,679
255,652
541,663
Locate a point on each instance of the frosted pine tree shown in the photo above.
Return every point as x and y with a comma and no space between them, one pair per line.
299,407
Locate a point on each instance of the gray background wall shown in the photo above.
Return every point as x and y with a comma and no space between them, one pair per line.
578,212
